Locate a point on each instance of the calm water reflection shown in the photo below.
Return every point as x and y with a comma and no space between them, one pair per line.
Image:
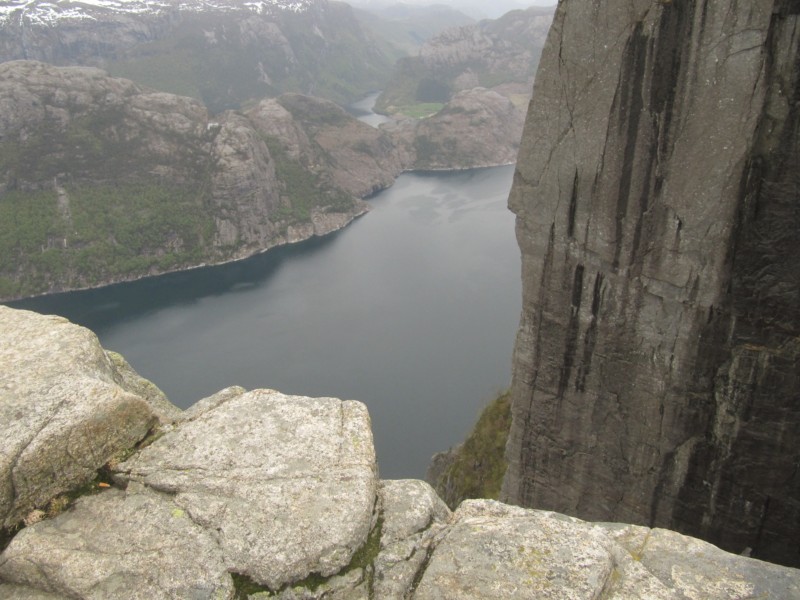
411,309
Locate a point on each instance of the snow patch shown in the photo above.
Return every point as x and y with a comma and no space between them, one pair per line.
50,12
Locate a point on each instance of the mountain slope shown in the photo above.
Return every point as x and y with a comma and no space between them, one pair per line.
405,27
499,54
102,181
223,53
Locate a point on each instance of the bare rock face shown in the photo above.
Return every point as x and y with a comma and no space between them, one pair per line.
65,411
496,550
350,155
656,367
119,544
223,53
477,128
268,486
281,510
412,515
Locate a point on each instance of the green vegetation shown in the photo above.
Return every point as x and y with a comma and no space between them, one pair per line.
367,554
200,61
313,112
421,110
430,89
244,587
110,232
427,149
51,149
302,188
478,465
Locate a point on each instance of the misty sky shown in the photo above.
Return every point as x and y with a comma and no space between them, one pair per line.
474,8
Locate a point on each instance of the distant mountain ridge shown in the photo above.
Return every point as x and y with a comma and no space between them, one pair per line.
222,52
38,12
405,27
500,54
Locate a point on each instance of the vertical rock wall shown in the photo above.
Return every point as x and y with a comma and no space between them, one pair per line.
658,201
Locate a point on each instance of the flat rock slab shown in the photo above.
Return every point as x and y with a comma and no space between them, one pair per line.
134,544
64,410
690,568
497,551
287,484
492,550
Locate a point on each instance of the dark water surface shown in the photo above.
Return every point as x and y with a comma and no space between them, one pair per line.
411,309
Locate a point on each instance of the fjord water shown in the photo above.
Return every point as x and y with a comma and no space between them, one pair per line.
411,309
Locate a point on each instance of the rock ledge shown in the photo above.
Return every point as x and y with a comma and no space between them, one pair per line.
259,494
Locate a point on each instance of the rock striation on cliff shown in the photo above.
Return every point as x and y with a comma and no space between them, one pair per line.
657,366
259,494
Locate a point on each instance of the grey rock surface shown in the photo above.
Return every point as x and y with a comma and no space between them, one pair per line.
352,155
135,544
246,50
500,54
667,564
288,484
655,376
211,402
131,381
409,506
64,412
412,516
10,591
477,128
496,550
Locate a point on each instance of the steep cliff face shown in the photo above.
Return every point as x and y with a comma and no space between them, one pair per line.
657,366
103,181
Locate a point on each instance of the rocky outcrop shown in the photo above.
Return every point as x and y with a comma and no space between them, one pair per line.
258,494
345,153
104,181
472,83
500,54
66,411
477,128
656,366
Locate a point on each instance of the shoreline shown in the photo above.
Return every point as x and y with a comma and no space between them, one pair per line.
284,240
303,232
